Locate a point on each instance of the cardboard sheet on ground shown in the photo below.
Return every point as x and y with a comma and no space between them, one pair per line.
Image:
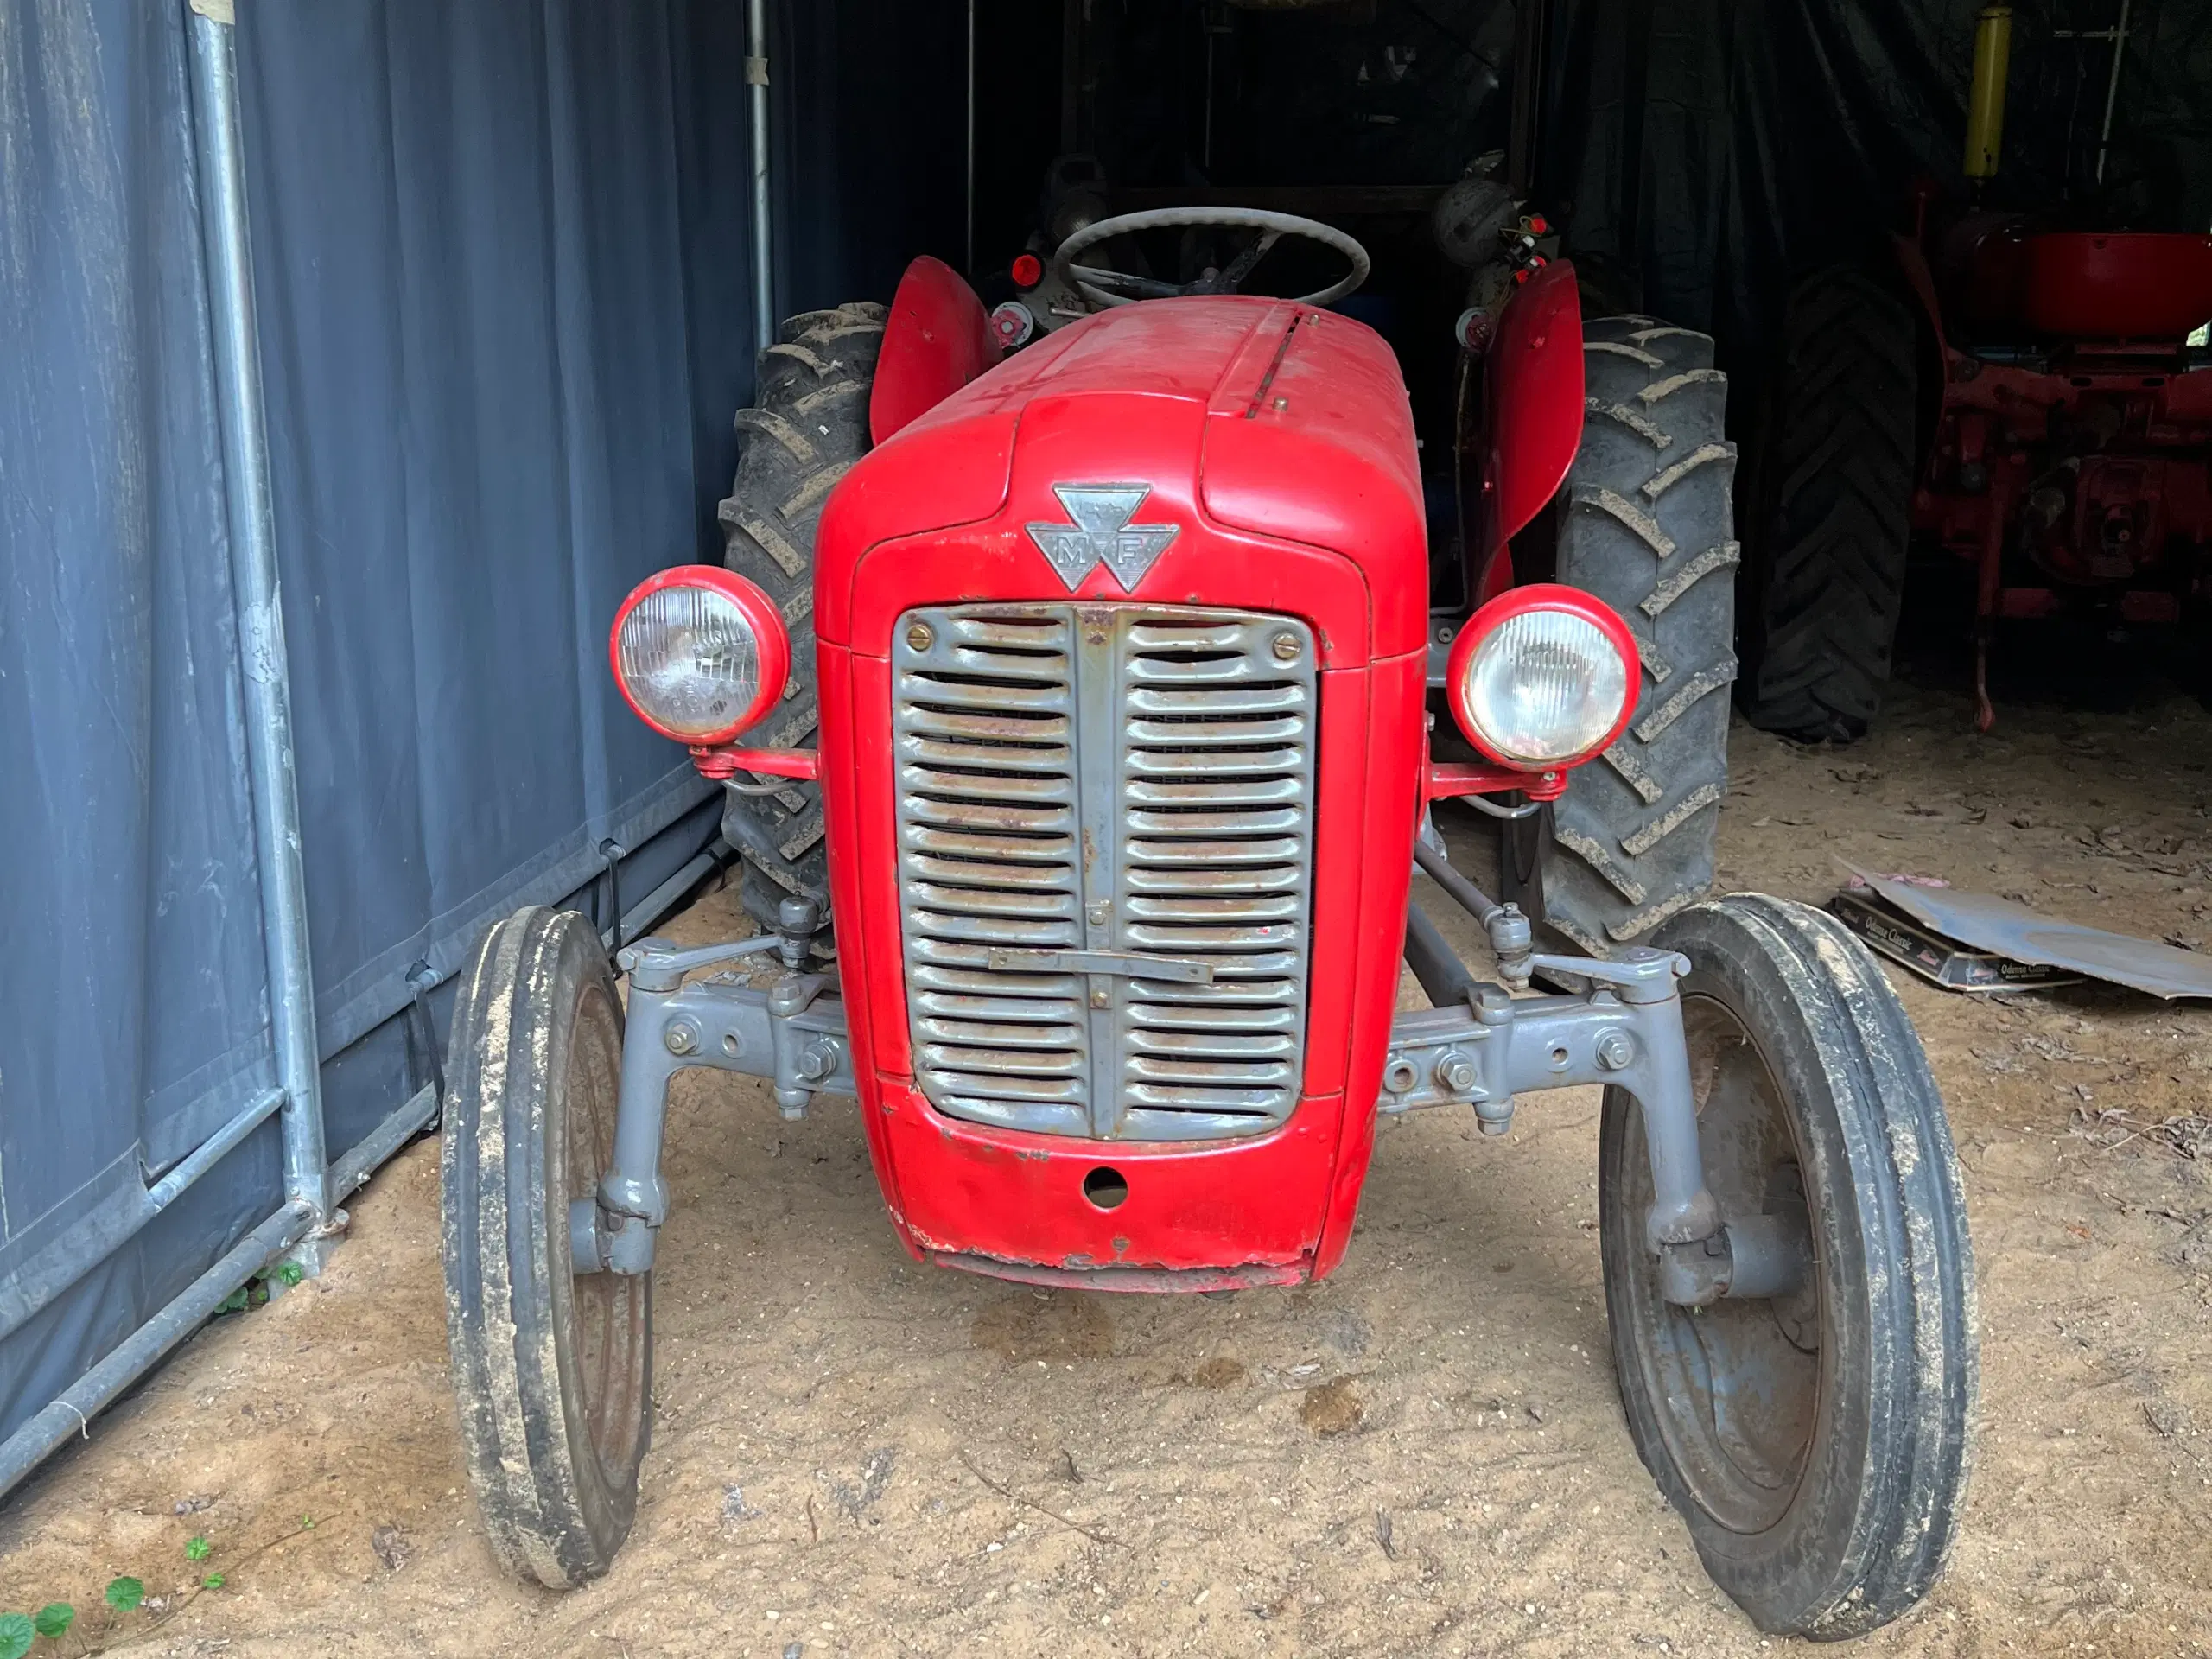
1992,923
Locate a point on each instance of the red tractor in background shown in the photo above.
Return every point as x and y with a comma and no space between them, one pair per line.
1085,710
2046,417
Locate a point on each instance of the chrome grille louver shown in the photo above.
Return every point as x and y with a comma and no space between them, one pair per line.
1106,857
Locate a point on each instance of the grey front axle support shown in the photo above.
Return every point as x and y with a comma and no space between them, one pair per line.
1481,1048
1624,1030
793,1033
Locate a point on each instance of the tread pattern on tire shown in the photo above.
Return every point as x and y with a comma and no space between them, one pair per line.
550,1516
1833,510
808,428
1906,1512
1646,524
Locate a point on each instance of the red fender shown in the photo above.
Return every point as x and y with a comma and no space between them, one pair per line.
1533,425
937,339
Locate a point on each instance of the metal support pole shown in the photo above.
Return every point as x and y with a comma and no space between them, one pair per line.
2118,35
1524,119
2112,88
258,601
763,247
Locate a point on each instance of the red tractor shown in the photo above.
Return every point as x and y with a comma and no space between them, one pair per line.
2046,417
1117,655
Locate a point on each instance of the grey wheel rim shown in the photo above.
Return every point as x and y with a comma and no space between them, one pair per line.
607,1309
1738,1387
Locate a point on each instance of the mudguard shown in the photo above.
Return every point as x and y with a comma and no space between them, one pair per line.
937,339
1533,414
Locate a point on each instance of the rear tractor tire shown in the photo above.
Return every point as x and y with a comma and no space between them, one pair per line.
808,428
552,1370
1645,521
1831,512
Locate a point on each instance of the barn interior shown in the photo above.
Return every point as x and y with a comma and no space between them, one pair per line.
854,1453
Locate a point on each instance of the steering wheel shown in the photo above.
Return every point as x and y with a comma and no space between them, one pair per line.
1103,287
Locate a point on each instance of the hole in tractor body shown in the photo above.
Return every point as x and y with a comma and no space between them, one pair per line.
1106,1187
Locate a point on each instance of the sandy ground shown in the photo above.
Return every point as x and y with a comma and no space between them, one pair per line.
856,1454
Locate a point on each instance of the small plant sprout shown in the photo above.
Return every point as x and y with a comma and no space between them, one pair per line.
53,1621
124,1594
255,1291
212,1582
196,1550
16,1635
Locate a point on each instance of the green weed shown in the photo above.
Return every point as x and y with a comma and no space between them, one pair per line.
255,1291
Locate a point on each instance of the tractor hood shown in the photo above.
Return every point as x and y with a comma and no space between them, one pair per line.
1158,451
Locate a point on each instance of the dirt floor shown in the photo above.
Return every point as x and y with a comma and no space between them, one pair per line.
856,1454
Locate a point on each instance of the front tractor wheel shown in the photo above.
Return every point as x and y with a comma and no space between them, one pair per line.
1815,1441
808,428
552,1370
1645,522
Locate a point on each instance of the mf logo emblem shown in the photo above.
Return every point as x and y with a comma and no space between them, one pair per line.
1102,534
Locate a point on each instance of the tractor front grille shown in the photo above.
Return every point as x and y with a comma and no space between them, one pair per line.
1105,837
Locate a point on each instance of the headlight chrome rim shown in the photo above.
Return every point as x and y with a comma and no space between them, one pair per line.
756,612
1484,626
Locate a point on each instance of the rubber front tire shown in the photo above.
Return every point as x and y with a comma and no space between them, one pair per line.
808,428
1646,521
552,1372
1817,1444
1831,512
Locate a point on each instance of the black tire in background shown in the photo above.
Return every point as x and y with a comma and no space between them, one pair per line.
808,428
1831,512
552,1372
1817,1444
1645,521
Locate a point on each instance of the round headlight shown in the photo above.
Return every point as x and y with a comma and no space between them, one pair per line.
1543,677
700,653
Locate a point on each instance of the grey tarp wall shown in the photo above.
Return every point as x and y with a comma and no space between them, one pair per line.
500,254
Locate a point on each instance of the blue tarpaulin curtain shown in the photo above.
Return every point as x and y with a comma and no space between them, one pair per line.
480,355
501,262
133,1002
503,322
